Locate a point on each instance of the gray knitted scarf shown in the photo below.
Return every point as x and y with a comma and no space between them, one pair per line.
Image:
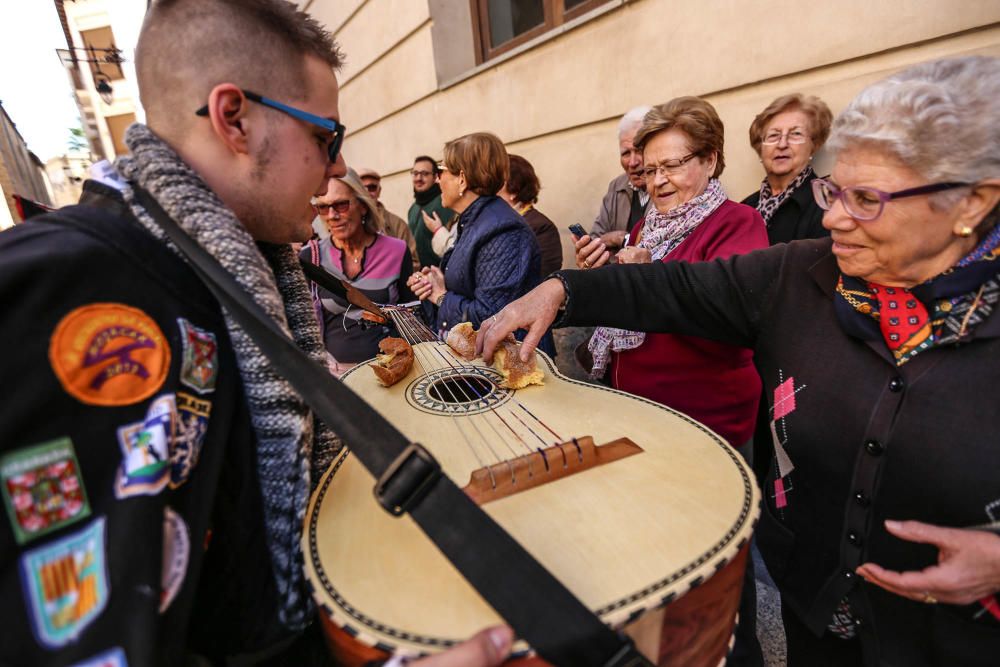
293,448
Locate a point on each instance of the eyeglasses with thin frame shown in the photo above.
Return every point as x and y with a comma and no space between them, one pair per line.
866,204
421,173
668,167
340,207
336,130
793,136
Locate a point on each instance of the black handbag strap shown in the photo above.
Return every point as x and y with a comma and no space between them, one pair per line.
537,606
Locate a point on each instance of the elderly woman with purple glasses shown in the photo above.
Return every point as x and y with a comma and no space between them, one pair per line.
878,350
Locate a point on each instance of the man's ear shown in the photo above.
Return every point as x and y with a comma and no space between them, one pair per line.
227,109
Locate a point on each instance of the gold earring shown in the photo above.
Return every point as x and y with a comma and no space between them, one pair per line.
965,231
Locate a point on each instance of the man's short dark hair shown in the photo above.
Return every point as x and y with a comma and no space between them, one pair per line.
427,158
187,47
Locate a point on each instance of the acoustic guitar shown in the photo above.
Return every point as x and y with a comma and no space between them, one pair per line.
643,513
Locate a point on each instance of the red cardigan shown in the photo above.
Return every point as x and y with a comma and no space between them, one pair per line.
714,383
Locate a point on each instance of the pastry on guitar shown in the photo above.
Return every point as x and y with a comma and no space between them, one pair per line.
394,363
517,374
462,339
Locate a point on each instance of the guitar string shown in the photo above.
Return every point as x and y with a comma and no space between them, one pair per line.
397,320
479,371
431,337
405,327
496,414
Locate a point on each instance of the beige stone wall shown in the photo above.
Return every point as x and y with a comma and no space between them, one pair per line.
557,102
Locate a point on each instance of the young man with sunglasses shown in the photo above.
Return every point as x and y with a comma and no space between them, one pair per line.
393,225
155,468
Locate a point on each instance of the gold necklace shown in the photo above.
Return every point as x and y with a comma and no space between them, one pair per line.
972,309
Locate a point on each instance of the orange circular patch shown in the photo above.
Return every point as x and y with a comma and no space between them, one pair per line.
109,354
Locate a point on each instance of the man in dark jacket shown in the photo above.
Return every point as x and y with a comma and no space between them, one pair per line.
154,467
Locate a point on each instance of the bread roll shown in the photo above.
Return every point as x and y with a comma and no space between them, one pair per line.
517,374
394,363
462,339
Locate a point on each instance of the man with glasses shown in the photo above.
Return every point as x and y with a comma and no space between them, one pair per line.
426,200
393,225
154,468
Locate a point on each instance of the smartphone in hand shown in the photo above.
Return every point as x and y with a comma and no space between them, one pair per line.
577,231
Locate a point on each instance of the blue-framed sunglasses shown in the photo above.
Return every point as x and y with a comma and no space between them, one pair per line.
332,126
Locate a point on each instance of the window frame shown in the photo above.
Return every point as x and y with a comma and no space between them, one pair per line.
555,15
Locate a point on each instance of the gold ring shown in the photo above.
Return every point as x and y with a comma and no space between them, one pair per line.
587,263
929,599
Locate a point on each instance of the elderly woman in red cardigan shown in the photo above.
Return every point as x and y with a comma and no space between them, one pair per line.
693,220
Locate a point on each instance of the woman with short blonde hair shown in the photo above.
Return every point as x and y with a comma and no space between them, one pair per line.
786,136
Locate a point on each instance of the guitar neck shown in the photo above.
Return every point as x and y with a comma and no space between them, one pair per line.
409,326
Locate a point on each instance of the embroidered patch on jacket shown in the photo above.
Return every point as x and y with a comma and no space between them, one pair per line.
109,354
145,445
200,363
188,437
42,488
164,448
113,658
176,550
65,585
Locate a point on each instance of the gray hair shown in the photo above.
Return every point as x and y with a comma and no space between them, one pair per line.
939,118
632,119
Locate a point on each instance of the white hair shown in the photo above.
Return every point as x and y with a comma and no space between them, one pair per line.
940,118
632,120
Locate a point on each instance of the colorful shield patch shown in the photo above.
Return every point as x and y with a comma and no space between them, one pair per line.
42,488
176,551
66,585
109,354
164,448
145,445
200,364
113,658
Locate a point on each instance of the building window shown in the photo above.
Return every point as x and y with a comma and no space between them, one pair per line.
101,39
502,25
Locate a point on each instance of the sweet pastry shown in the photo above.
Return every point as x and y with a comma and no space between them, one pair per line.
394,363
516,373
462,339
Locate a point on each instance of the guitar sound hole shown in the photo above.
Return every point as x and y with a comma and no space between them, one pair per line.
460,389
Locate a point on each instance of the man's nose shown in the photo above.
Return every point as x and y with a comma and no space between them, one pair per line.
338,168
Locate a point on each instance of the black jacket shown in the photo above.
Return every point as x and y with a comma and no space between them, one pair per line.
869,441
799,217
170,511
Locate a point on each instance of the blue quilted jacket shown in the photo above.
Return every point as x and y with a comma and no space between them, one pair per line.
494,261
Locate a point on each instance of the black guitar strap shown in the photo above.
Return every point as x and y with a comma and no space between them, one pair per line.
539,608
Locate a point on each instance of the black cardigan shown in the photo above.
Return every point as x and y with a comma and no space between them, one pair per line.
798,217
869,440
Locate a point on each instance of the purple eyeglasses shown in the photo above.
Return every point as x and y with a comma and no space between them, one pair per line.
866,204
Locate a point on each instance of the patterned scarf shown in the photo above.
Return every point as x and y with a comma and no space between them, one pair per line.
291,443
769,202
941,311
661,234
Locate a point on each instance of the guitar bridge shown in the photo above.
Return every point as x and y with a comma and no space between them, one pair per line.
544,466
